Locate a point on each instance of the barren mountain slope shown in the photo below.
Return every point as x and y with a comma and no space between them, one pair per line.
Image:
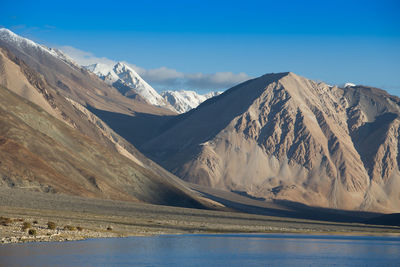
19,78
71,80
58,78
39,152
282,136
33,86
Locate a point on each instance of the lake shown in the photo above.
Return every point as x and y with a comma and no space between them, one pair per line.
210,250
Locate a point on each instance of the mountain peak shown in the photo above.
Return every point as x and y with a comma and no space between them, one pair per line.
283,136
127,81
183,101
9,36
271,77
6,31
120,67
99,69
349,85
17,41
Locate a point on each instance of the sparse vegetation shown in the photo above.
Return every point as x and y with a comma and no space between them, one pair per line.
51,225
26,225
69,228
32,232
111,219
5,221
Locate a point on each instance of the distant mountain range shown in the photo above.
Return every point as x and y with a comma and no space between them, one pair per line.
183,101
101,131
130,84
121,76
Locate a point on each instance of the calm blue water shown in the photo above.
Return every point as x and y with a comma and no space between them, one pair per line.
209,250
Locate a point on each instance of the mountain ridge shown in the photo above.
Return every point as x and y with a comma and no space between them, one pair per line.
184,100
53,157
128,82
277,137
51,142
282,136
131,85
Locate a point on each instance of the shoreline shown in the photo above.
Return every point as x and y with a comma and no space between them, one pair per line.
79,218
45,239
15,235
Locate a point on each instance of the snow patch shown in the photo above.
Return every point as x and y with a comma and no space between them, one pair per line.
349,85
183,101
21,42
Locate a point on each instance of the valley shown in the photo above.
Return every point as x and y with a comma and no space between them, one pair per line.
96,147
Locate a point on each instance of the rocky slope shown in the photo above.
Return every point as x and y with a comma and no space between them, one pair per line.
73,81
29,84
41,153
282,136
182,101
52,142
51,80
128,83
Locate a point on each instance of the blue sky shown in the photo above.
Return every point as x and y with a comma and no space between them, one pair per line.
208,45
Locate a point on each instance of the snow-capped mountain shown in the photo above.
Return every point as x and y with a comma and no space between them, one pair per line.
24,43
183,101
349,85
127,81
21,42
120,75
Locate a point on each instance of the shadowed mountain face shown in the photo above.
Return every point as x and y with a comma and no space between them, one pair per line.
282,136
50,141
51,80
41,153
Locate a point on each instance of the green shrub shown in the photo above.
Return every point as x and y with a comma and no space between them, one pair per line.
32,232
51,225
79,228
109,228
35,222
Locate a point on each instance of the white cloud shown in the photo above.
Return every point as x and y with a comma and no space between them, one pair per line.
166,78
84,58
160,76
172,79
215,80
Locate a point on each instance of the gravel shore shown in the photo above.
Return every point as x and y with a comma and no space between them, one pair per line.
81,218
